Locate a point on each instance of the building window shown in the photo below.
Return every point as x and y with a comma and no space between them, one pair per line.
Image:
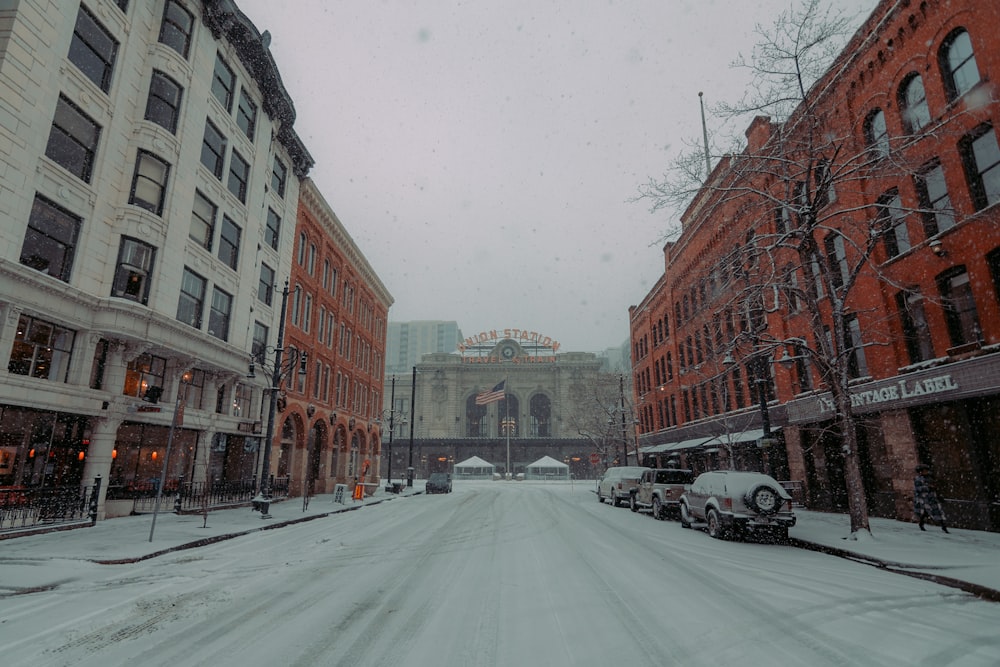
229,243
836,254
73,140
258,346
279,174
857,364
916,333
312,259
307,313
192,300
202,221
213,149
144,377
913,104
223,83
163,105
149,184
41,350
981,161
302,249
241,400
93,49
175,30
296,305
246,114
239,176
265,288
135,264
218,317
959,306
50,240
958,64
272,229
935,203
193,389
876,134
891,223
993,261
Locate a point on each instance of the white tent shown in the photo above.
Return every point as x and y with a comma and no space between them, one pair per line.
547,468
474,468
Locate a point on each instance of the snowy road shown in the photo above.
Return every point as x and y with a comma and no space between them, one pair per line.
494,574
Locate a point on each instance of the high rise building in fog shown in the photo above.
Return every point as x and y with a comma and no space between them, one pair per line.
409,341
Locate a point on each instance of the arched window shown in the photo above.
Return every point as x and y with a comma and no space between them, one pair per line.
913,104
541,417
877,134
475,419
508,411
958,64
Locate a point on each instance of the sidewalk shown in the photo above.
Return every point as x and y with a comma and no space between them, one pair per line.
965,559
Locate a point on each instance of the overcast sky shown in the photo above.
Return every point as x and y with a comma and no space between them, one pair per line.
482,153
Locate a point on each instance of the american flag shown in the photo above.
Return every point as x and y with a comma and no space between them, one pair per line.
492,395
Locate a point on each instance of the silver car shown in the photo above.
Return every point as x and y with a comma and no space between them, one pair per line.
618,483
735,503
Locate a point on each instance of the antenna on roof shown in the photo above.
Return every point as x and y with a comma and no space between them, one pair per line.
265,39
704,132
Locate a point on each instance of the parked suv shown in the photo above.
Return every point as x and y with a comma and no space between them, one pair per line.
660,490
617,483
438,482
732,503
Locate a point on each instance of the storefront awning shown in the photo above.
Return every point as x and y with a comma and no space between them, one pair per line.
674,446
736,438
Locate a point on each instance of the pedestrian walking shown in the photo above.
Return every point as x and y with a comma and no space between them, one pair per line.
925,501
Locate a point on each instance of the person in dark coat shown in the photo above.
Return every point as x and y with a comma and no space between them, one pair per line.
925,501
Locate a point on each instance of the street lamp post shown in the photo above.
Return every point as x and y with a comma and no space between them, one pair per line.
392,426
262,499
413,395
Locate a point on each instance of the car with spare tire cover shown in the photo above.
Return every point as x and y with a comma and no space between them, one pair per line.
617,484
736,503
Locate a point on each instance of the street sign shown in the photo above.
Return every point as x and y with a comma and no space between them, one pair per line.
595,458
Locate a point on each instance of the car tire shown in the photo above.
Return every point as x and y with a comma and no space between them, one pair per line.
764,499
686,518
632,504
715,528
658,509
615,502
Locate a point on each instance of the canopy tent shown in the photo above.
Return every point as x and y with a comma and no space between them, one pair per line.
547,468
474,468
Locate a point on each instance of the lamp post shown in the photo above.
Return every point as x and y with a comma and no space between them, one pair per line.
392,425
262,499
413,395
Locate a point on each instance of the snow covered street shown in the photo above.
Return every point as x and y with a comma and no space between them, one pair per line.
492,574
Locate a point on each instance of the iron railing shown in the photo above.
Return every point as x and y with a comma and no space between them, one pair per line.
28,508
182,496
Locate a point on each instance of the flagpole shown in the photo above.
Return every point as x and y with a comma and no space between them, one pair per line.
506,405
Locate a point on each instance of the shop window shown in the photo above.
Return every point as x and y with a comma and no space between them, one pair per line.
144,378
50,240
93,49
241,400
192,388
41,350
176,27
73,140
132,275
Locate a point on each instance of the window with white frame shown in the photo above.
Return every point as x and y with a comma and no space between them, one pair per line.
176,27
219,314
149,183
50,239
132,275
73,140
41,350
202,221
93,49
223,83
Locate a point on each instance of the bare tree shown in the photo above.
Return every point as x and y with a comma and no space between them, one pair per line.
798,195
595,413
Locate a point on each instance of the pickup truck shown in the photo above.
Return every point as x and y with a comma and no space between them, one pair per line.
660,490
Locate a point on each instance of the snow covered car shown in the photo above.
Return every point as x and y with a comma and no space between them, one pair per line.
660,490
618,483
733,503
438,482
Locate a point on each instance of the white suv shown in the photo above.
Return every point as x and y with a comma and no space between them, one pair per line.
733,503
618,483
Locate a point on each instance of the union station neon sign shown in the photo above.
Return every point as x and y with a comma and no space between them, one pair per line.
523,336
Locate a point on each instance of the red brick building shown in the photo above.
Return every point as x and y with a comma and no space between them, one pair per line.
905,182
326,429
